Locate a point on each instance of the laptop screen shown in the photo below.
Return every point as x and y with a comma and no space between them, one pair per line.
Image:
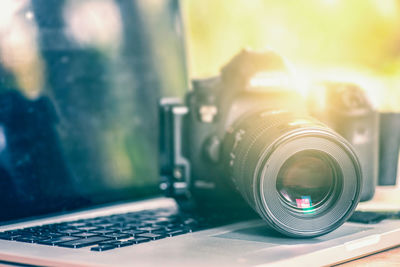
79,86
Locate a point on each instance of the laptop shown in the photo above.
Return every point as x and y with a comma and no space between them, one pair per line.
80,82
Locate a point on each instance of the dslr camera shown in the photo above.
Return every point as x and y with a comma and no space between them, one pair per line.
243,141
347,109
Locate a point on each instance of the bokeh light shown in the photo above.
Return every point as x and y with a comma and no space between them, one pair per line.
354,40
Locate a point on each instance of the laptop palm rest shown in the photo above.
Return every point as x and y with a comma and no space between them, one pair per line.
266,235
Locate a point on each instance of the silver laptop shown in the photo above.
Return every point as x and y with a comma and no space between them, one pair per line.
79,85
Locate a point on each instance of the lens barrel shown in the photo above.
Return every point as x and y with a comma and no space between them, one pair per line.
301,177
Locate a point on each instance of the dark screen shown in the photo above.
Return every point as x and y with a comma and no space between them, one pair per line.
79,86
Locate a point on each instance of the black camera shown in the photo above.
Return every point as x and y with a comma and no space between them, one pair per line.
245,138
374,135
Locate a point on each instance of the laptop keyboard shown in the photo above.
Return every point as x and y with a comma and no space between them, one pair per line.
110,232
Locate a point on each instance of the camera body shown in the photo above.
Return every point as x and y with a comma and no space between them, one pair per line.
245,138
346,108
192,168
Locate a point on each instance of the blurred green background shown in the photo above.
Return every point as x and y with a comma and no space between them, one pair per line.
352,40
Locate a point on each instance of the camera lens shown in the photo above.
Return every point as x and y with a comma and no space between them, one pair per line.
301,177
305,180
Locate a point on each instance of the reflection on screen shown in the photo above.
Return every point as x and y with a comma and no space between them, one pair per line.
79,85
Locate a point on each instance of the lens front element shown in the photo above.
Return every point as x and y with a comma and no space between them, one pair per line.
305,180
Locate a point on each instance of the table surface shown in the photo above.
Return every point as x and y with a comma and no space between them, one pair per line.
389,257
385,199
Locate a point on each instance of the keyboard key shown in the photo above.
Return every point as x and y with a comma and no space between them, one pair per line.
149,222
173,226
95,221
152,236
117,224
32,229
69,231
118,235
134,232
6,236
150,229
76,224
121,244
105,225
135,225
14,236
89,228
121,229
55,241
85,235
30,239
165,221
103,231
176,228
15,232
111,241
51,235
83,242
103,247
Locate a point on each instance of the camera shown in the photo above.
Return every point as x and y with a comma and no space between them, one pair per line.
346,108
246,139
